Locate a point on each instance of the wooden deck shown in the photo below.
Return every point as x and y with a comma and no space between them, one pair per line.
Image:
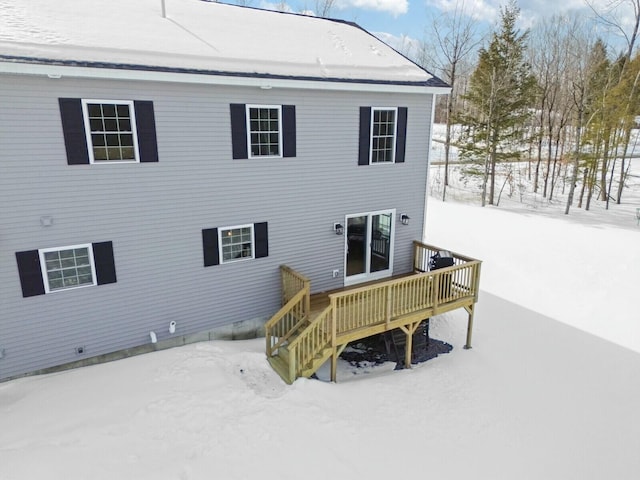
309,329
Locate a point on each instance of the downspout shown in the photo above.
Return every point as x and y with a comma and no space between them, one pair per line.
164,10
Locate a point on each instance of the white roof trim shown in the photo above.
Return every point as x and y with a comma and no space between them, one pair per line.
58,71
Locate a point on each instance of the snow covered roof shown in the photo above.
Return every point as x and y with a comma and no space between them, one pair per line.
199,37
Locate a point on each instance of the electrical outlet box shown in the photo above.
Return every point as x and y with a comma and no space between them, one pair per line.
336,273
79,350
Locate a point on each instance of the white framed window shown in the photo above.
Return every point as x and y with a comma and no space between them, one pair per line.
236,243
383,135
110,126
69,267
264,130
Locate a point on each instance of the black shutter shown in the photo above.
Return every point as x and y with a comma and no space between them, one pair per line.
146,128
239,131
289,130
30,273
365,135
262,239
105,265
401,135
75,139
210,246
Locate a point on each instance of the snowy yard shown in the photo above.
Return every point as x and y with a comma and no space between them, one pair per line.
549,391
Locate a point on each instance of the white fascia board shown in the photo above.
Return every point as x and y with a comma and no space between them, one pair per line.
58,71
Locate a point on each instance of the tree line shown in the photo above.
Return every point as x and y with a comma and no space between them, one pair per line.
557,97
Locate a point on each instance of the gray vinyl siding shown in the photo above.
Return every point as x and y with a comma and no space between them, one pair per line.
154,213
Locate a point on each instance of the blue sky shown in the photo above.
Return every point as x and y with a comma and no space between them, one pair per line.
408,19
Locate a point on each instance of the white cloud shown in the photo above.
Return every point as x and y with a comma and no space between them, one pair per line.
275,6
481,10
531,11
404,44
394,7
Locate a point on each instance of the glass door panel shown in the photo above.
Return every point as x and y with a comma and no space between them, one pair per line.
380,242
356,245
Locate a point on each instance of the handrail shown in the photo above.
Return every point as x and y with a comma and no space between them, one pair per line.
286,321
315,337
292,282
294,312
422,254
383,302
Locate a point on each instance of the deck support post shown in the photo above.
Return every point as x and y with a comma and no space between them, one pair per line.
469,309
334,342
409,330
408,351
334,365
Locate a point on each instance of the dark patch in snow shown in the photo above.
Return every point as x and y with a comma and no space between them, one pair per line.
389,347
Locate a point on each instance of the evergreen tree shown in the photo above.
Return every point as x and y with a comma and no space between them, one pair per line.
501,92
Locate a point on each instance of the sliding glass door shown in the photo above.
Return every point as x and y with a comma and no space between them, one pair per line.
369,246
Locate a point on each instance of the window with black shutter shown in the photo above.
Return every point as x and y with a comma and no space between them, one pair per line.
108,131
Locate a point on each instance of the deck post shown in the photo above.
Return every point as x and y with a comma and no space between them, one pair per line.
334,365
334,347
469,309
293,365
389,305
408,349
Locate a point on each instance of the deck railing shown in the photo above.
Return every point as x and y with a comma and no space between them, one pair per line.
384,302
296,306
422,254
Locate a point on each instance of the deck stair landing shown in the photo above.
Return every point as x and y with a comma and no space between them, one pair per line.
308,330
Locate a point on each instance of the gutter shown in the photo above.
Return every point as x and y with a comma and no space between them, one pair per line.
113,71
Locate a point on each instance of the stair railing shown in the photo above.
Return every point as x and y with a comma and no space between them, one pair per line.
311,341
294,313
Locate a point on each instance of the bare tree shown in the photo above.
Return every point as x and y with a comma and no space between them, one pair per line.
323,7
612,16
452,38
582,65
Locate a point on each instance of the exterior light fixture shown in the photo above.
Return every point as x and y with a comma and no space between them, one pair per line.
404,219
338,228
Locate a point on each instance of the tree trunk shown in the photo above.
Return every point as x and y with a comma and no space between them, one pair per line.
584,186
576,162
447,146
627,139
492,187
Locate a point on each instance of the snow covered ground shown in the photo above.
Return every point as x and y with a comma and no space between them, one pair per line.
549,391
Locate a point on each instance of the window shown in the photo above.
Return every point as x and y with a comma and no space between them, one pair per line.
110,131
265,130
67,267
383,133
64,268
236,243
233,244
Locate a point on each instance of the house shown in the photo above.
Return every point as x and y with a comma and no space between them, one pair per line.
160,160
